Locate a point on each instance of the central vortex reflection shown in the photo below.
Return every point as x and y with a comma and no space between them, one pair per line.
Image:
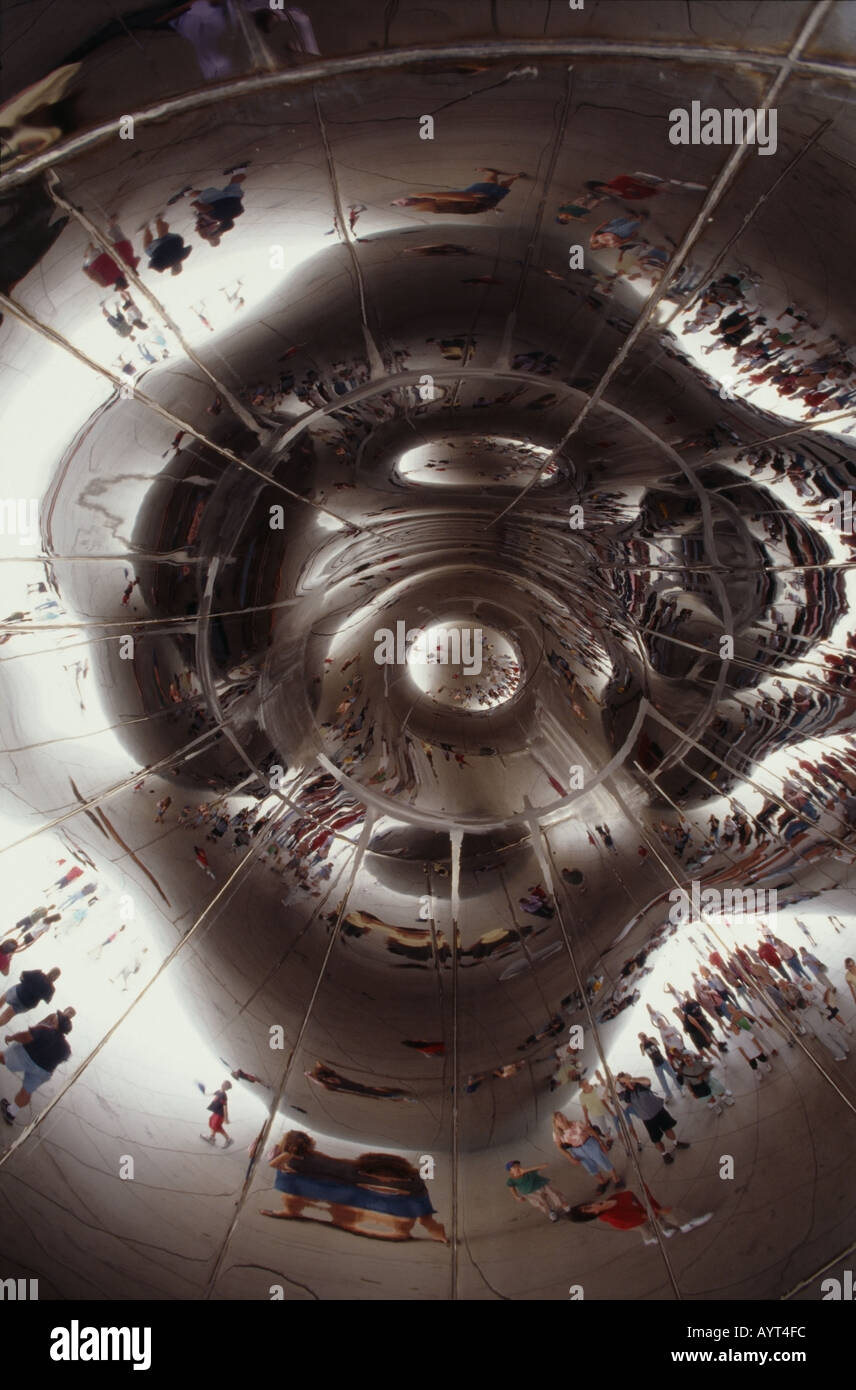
429,662
464,666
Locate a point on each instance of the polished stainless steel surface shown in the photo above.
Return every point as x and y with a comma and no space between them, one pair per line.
450,562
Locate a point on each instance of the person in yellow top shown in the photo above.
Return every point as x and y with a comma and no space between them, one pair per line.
598,1114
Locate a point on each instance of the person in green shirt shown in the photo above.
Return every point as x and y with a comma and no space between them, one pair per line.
530,1185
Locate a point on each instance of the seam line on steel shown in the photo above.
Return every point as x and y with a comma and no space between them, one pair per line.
402,57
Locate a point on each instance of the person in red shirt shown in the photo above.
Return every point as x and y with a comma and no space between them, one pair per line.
770,956
66,879
7,950
219,1117
101,267
632,190
625,1212
202,861
632,187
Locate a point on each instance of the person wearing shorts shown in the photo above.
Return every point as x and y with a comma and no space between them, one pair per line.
617,232
741,1022
584,202
224,201
477,197
530,1185
167,250
217,208
219,1116
636,1091
625,1212
581,1146
106,270
34,987
598,1114
695,1072
35,1056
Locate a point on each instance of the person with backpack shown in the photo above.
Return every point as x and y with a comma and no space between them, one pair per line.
219,1117
636,1091
697,1073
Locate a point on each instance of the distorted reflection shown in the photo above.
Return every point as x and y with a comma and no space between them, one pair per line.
429,667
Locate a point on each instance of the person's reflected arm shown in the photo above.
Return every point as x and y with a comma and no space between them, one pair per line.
21,1037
